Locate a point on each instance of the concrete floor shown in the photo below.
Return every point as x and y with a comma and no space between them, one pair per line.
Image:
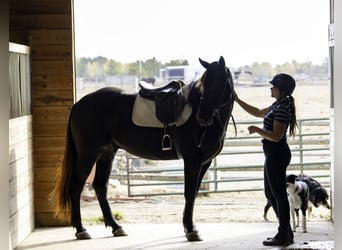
170,236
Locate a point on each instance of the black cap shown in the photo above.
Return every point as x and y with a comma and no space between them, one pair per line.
284,82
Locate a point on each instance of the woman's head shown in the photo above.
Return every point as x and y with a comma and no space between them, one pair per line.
285,85
284,82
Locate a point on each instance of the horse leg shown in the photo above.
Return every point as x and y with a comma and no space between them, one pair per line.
100,184
192,173
204,169
82,170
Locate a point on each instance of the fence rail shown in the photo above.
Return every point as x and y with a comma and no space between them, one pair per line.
237,168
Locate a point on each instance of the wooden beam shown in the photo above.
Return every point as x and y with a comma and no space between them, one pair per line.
51,52
52,114
51,37
52,67
40,22
24,7
52,82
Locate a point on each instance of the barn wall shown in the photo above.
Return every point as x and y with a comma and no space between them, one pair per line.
20,179
47,27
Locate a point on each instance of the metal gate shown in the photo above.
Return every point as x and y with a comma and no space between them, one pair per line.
237,168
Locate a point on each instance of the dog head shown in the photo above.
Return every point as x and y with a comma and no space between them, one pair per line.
319,196
291,178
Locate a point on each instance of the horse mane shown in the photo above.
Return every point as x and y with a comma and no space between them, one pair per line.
199,82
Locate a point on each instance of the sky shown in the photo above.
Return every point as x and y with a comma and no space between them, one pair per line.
242,31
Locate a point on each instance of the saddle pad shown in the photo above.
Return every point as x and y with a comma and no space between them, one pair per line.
144,114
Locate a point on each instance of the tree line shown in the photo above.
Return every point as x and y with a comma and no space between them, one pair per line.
100,67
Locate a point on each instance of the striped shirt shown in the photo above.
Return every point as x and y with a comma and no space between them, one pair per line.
279,111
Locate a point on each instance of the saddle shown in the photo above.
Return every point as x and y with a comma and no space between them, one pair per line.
169,103
169,99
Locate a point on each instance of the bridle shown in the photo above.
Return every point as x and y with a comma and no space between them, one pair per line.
217,112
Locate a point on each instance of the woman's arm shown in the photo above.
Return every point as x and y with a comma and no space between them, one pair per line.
249,108
279,128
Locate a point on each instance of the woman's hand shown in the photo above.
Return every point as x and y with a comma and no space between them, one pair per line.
252,129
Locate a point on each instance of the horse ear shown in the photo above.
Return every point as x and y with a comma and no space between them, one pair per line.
222,62
204,63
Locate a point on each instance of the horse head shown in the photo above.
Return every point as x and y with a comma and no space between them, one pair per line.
216,85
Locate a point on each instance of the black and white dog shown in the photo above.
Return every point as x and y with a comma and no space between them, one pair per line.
318,195
298,194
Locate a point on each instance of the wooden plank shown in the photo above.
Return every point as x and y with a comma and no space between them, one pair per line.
45,175
44,204
51,37
43,1
52,82
51,52
52,113
44,189
22,183
20,150
49,144
48,128
20,129
53,98
21,224
25,7
20,37
53,159
52,67
48,219
42,22
21,167
20,200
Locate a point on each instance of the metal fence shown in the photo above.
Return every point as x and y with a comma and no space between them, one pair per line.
239,166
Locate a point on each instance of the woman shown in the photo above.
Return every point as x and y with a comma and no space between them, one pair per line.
278,117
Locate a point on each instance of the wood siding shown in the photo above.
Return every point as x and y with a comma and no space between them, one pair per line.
47,27
20,179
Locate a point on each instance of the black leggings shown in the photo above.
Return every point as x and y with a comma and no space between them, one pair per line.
277,158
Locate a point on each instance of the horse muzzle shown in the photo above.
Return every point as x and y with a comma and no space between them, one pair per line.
204,122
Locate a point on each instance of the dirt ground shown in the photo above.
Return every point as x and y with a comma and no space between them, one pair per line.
312,101
215,208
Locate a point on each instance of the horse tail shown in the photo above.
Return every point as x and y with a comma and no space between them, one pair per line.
61,194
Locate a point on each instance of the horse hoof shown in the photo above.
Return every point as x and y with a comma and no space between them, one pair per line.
193,236
119,232
83,235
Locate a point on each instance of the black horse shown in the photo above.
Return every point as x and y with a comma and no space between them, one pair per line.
100,123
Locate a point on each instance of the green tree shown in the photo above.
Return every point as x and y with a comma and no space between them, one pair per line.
132,68
151,67
178,62
95,70
112,68
81,67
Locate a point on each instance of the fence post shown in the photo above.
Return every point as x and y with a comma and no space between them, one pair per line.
128,176
215,174
300,138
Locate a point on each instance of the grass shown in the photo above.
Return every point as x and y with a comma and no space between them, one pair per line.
94,220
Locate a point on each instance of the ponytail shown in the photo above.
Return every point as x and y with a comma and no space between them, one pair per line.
293,122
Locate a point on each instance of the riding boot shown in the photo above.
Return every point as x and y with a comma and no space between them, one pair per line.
290,233
284,237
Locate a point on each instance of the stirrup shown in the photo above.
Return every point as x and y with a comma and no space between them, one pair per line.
166,142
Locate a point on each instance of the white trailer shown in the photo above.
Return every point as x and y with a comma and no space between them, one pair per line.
185,73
